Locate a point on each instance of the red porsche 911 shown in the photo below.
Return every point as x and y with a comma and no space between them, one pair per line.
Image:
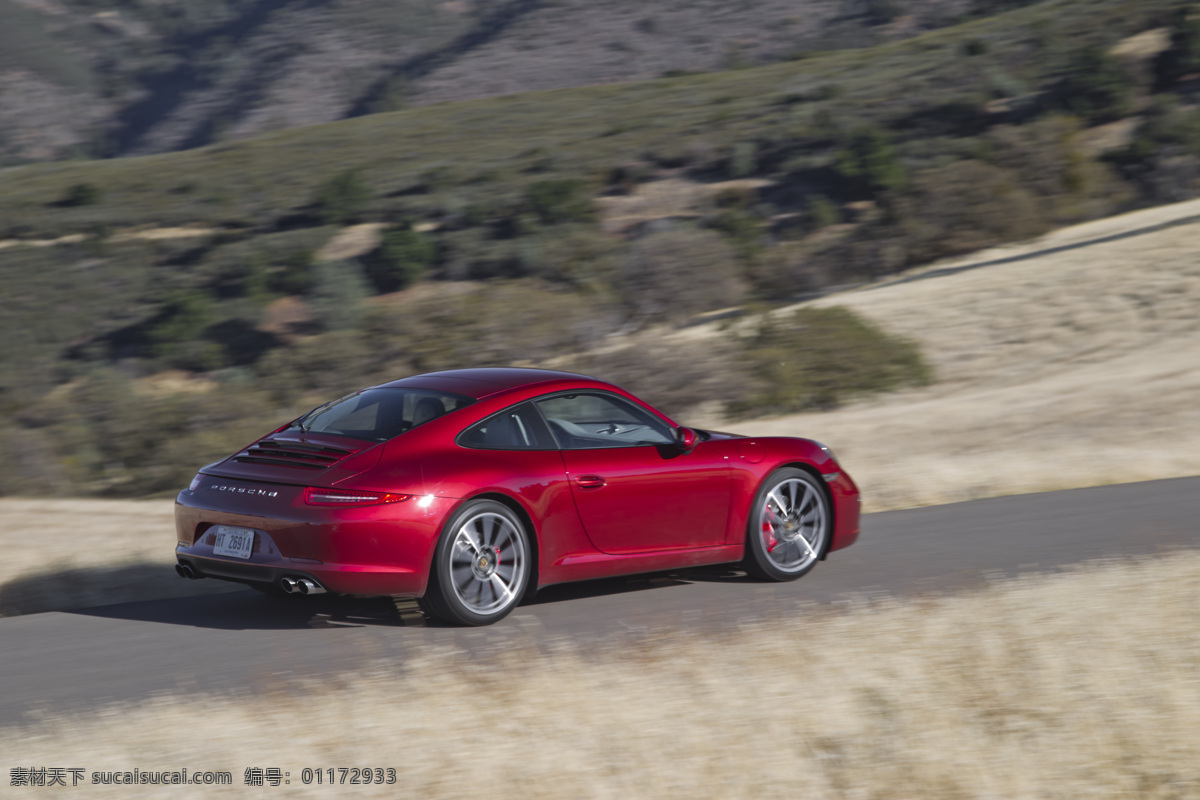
469,489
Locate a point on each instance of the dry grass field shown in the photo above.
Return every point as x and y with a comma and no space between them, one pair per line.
1075,685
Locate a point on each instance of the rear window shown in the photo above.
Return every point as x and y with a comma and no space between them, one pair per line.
377,415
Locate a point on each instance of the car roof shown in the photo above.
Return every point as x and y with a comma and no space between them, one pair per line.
482,382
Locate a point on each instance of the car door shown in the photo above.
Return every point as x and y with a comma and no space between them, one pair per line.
635,490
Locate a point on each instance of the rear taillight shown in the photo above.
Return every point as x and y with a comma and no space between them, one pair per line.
350,497
195,484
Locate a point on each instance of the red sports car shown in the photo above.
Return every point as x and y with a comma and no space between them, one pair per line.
469,489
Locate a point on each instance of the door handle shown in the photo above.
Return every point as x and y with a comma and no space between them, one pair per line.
590,482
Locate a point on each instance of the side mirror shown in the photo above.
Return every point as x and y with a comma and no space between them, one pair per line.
686,438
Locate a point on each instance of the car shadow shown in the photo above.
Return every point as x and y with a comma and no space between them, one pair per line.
251,610
637,583
246,609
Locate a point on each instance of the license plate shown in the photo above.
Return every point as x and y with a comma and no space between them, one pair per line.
233,542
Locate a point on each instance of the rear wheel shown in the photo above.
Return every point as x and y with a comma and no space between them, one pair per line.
789,526
481,566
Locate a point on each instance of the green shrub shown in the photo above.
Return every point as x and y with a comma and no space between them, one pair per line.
400,260
1096,86
624,178
560,200
183,318
198,355
340,199
869,161
975,47
821,357
1183,56
291,273
82,194
1165,124
745,231
823,212
243,278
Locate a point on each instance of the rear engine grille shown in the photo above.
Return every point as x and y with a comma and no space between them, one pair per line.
292,454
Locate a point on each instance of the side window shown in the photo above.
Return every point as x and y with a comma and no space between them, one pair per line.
516,428
587,421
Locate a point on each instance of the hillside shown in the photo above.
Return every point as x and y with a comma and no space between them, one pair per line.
80,77
161,310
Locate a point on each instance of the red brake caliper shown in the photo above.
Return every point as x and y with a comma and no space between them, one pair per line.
769,530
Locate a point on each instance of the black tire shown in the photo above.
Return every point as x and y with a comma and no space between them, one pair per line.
481,567
789,527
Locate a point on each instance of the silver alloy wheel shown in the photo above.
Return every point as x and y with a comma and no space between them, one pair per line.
487,563
793,523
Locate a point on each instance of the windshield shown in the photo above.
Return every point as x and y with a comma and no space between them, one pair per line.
377,415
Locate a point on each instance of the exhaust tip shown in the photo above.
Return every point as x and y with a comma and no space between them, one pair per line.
288,585
186,571
309,587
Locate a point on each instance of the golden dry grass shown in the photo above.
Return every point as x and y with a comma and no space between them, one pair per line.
1075,685
351,242
1066,368
39,533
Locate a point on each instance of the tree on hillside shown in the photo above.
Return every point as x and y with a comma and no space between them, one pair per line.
869,161
400,260
339,199
1096,86
1183,56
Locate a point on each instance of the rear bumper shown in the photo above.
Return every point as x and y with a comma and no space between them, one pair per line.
333,577
369,550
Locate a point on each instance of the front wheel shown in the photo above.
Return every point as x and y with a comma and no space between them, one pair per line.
789,526
481,566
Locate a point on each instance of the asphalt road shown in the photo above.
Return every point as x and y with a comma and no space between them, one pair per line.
63,662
